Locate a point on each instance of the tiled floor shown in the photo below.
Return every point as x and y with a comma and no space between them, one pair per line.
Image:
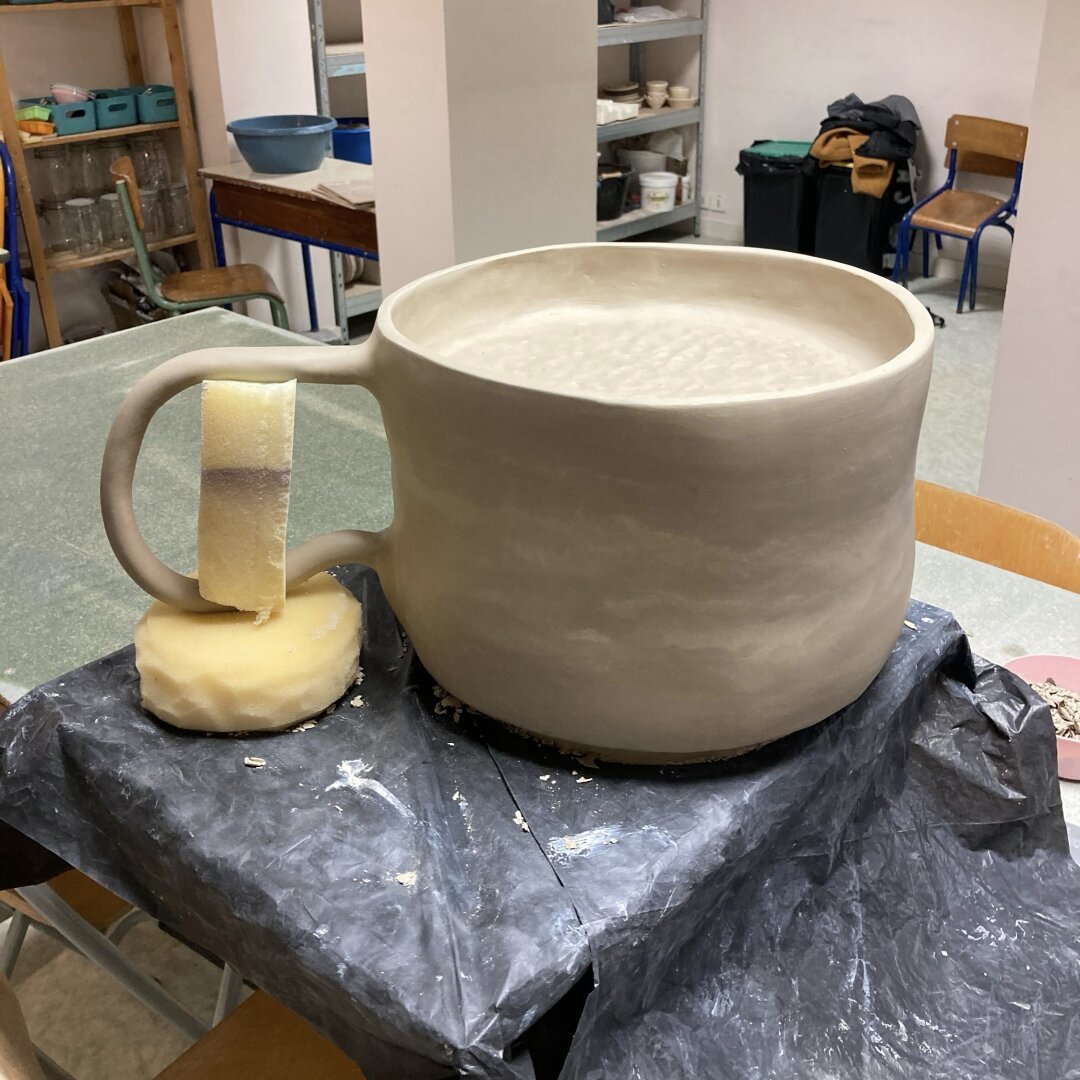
97,1032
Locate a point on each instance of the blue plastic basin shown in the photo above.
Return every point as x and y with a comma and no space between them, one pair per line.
283,144
352,139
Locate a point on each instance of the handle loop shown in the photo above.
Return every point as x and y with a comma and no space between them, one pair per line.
344,364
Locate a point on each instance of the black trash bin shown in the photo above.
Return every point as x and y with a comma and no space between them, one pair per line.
778,195
854,228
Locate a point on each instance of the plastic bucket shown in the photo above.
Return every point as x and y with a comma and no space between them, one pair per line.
658,191
352,139
611,186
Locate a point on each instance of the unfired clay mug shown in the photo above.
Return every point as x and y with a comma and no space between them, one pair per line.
665,521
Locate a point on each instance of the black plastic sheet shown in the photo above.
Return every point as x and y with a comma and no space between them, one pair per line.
887,894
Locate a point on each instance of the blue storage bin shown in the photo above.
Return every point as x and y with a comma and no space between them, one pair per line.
115,108
352,139
156,104
74,119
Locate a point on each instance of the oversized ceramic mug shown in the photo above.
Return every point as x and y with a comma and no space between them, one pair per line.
648,499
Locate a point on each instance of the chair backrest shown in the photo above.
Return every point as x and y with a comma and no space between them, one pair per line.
990,147
127,187
1000,535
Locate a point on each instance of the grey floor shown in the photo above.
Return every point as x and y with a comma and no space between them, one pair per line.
95,1031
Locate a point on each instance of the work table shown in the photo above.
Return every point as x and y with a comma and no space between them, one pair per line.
67,601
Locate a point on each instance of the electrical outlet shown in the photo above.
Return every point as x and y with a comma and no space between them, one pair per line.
712,201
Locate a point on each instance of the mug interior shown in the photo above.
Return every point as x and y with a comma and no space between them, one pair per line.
657,323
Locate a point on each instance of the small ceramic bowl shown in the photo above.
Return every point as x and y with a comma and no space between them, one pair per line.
656,101
1065,671
656,86
688,103
678,92
65,94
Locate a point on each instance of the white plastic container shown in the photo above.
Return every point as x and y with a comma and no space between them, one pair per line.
658,191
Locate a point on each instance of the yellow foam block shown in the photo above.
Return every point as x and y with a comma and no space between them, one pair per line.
225,672
247,438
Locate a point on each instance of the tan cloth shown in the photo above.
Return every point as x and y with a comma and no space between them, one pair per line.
869,176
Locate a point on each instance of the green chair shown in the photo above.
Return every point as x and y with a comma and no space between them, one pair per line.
192,289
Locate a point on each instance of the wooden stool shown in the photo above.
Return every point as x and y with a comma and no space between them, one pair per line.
262,1040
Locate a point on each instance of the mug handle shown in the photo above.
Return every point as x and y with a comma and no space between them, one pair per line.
342,365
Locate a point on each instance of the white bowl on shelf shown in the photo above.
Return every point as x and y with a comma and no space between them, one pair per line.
689,103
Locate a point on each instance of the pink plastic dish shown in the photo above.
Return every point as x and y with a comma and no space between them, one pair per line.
1065,671
65,94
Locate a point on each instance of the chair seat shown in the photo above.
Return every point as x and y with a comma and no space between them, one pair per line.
957,212
222,282
262,1040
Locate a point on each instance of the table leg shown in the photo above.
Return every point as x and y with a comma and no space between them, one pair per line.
309,281
215,224
99,950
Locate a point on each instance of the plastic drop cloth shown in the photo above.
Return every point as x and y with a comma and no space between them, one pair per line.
888,894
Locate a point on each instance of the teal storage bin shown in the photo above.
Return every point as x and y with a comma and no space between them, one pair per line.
74,119
115,108
156,104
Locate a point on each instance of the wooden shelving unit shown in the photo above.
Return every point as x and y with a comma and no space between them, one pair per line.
104,133
41,266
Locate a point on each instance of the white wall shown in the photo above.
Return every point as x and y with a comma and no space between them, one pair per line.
1031,457
773,67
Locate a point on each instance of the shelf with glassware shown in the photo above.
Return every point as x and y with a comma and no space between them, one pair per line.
191,227
676,106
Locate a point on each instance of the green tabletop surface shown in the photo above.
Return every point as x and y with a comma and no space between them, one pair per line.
65,598
66,601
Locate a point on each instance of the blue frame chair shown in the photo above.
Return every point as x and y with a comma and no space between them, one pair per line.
9,239
976,144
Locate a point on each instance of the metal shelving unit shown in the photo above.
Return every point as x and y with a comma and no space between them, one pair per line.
334,62
637,36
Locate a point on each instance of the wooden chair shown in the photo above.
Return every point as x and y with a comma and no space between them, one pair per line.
193,289
975,145
1000,535
262,1040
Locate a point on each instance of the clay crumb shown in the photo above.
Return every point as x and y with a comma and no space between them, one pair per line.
584,780
305,725
330,709
613,840
456,797
254,762
359,677
338,809
520,821
356,702
573,772
910,625
546,776
569,843
407,879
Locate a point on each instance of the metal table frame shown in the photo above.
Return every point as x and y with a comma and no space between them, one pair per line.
217,220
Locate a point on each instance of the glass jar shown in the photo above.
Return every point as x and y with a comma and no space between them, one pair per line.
114,229
153,217
111,150
177,209
58,235
85,225
150,161
54,176
86,176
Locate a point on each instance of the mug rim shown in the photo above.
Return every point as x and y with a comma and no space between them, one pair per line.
909,357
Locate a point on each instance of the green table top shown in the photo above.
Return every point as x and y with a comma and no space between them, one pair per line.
66,601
